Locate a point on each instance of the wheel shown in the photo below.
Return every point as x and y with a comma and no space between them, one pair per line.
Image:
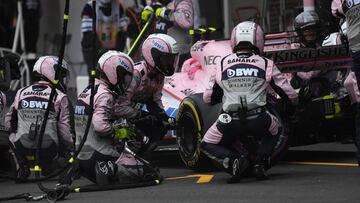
193,127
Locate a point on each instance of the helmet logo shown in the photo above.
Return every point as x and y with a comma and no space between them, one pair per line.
123,64
158,45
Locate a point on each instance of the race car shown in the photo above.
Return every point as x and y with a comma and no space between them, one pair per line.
182,95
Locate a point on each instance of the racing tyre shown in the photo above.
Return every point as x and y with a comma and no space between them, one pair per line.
194,117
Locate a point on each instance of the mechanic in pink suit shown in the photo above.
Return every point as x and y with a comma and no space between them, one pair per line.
240,83
24,118
175,18
160,52
99,159
350,10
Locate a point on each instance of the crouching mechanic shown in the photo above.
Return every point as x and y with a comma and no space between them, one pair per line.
24,118
160,52
99,159
240,83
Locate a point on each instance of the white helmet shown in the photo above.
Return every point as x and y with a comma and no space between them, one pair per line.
160,51
248,35
118,69
45,69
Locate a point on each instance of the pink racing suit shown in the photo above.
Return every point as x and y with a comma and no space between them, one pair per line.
99,148
25,113
241,81
145,89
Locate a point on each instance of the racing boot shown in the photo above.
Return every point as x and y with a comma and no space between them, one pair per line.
23,172
259,172
236,167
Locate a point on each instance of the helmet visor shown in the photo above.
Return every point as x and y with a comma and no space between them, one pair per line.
165,63
124,79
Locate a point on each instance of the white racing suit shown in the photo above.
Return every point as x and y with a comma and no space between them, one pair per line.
24,120
99,159
241,81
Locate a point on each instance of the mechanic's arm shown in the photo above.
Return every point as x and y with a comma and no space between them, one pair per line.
281,85
183,15
103,111
64,127
213,93
124,105
308,75
158,95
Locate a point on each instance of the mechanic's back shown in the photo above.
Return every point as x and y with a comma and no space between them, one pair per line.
244,77
241,83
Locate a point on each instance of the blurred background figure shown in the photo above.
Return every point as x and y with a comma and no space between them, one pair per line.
7,22
111,24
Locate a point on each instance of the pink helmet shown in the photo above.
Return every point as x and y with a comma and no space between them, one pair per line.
337,9
160,51
247,35
45,67
118,69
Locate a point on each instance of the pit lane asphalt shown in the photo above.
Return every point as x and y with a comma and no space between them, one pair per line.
299,178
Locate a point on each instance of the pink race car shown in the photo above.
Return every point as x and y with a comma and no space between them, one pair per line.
182,94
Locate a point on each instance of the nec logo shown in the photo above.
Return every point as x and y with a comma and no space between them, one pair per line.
242,72
34,104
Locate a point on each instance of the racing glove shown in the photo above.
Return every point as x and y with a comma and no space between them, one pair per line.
122,133
162,12
145,14
169,122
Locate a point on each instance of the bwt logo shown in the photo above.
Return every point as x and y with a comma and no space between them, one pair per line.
242,72
80,110
34,104
123,64
158,45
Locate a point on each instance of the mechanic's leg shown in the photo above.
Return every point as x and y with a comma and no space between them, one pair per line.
87,166
268,128
213,146
356,68
357,134
132,170
125,170
20,152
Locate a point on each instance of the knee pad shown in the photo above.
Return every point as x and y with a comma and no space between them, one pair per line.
105,172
